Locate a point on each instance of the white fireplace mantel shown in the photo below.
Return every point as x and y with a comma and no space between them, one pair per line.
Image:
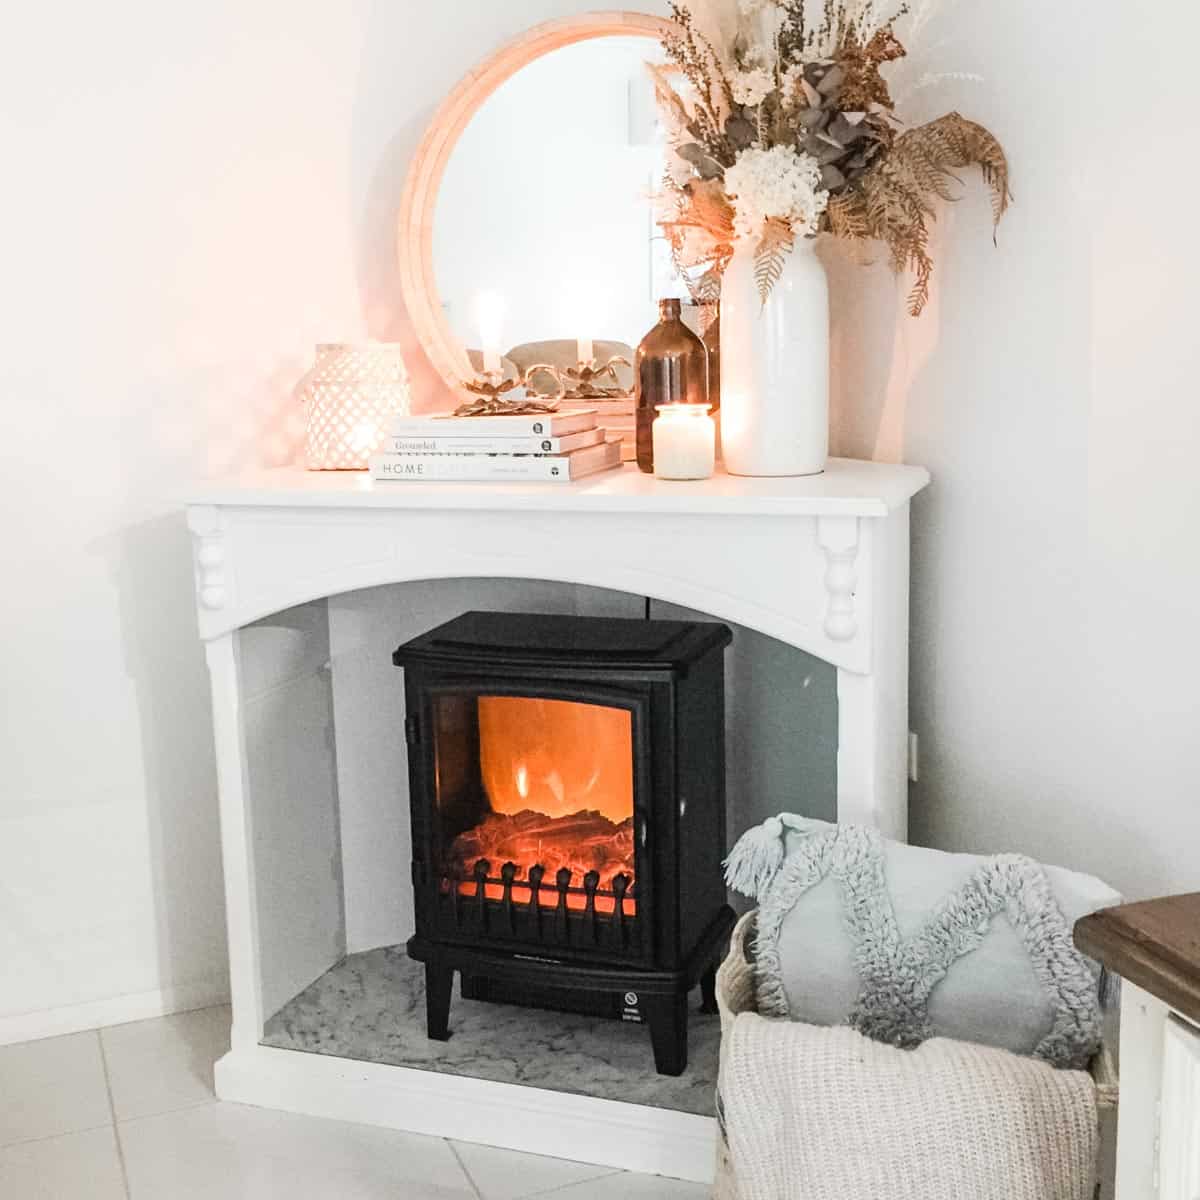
820,563
742,549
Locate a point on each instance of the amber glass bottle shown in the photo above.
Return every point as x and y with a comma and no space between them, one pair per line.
671,368
712,343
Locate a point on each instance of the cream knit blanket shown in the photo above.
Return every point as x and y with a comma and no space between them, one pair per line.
826,1114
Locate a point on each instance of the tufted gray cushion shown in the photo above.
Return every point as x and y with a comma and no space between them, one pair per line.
906,943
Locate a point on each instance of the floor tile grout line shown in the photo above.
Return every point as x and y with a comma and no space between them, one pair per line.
49,1137
168,1112
458,1158
112,1109
562,1187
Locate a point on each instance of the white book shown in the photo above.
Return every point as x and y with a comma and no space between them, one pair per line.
493,445
556,424
497,468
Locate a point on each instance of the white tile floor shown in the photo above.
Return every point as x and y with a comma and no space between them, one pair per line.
128,1113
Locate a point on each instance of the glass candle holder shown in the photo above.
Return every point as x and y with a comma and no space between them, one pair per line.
352,392
685,442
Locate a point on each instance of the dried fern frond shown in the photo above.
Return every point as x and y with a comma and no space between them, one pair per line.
894,200
702,207
700,234
850,224
778,241
951,143
710,208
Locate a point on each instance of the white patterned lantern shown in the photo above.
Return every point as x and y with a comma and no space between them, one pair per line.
352,392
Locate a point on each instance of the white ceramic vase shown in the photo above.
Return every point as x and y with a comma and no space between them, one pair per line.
775,366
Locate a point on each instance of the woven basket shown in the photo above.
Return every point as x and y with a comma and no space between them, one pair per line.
737,993
351,393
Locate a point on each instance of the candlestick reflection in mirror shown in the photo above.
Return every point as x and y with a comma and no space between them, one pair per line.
590,381
685,442
490,310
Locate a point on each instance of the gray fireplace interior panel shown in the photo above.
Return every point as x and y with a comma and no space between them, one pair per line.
782,718
371,1007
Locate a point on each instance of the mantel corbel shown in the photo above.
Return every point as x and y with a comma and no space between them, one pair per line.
207,524
839,538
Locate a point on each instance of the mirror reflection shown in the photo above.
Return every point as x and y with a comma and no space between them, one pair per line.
544,241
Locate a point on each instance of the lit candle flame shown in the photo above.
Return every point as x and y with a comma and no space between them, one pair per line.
490,310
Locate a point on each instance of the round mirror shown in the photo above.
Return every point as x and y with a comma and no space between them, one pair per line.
527,232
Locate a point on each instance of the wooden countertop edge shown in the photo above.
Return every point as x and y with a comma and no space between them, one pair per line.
1104,938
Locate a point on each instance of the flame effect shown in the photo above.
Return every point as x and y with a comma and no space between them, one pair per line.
559,777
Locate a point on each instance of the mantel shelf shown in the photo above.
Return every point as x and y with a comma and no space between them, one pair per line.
849,488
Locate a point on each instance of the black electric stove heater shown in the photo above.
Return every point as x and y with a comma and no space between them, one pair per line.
567,786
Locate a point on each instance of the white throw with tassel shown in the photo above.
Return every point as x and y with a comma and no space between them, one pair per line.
826,1114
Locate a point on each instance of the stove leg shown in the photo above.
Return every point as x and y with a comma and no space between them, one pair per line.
667,1017
708,990
439,983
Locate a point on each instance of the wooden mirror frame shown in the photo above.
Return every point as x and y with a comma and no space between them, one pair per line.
418,282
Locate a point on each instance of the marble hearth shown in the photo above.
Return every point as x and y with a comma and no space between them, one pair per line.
299,608
371,1008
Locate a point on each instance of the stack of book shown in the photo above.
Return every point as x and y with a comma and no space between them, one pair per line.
618,416
554,447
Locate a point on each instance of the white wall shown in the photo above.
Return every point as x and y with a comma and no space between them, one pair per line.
1052,392
195,194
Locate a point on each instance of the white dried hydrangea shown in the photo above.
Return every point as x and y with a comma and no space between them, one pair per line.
752,87
780,182
792,75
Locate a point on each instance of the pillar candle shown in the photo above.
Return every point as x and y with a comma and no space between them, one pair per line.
685,439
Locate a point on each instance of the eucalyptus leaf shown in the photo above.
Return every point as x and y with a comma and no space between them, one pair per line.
832,178
823,150
740,132
694,153
832,80
843,131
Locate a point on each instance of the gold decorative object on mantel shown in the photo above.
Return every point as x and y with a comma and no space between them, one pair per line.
494,406
490,390
582,382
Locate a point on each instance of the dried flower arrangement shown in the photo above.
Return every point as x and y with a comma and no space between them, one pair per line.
783,126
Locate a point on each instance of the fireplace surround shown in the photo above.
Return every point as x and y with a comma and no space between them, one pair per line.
315,858
567,792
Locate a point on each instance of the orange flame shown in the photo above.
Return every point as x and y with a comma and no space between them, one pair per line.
559,777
